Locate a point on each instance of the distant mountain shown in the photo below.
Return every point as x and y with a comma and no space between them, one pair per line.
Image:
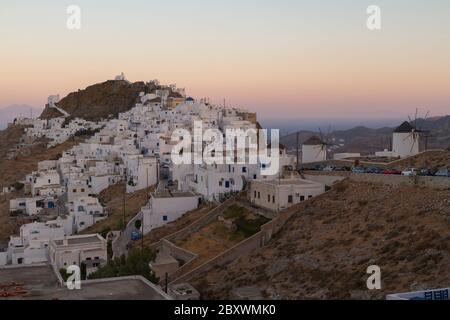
102,99
7,114
368,141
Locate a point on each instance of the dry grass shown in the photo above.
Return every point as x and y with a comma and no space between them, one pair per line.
324,250
212,239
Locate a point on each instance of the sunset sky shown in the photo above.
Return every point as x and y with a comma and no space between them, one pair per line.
281,58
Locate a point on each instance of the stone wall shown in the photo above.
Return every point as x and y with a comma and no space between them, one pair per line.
440,183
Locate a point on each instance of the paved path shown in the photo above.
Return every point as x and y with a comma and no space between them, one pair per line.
120,245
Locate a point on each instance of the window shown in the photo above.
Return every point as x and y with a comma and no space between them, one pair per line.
74,190
273,199
49,180
254,194
290,198
244,169
268,198
259,195
82,190
164,218
302,198
227,184
220,183
310,196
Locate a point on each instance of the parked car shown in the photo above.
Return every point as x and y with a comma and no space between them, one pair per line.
328,168
341,168
425,172
135,235
358,170
443,172
409,172
318,167
391,171
373,170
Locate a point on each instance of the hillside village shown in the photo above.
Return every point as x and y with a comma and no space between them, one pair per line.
198,219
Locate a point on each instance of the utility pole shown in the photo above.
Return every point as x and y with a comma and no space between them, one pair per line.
142,222
124,193
298,154
166,282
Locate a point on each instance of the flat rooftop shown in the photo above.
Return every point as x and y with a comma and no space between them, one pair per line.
285,182
80,240
173,194
40,283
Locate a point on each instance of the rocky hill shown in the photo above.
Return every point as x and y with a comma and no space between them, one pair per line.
101,100
324,250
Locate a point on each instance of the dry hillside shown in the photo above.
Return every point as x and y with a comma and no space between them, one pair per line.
430,159
324,250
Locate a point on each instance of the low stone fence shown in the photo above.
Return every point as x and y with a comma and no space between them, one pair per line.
440,183
177,252
328,180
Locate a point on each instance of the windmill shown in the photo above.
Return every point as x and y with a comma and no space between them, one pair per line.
416,130
325,141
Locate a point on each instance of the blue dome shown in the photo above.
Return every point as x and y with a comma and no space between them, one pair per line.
189,99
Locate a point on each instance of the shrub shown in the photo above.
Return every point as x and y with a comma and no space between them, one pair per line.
137,263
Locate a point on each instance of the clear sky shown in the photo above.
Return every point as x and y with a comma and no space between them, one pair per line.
281,58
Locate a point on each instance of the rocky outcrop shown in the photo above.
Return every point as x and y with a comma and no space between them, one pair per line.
101,100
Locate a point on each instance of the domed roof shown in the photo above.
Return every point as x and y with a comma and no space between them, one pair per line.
313,141
405,127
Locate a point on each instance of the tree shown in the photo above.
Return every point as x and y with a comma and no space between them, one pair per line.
138,224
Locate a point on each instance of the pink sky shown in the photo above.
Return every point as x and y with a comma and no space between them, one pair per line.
282,59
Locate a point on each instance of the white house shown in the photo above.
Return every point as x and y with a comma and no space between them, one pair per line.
279,194
86,211
90,250
142,172
214,182
49,180
31,206
165,207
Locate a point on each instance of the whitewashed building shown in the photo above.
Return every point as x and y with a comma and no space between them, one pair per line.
280,194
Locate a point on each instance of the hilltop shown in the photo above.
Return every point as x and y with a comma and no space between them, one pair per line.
324,250
102,99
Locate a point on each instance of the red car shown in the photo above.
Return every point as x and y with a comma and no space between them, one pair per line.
391,171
